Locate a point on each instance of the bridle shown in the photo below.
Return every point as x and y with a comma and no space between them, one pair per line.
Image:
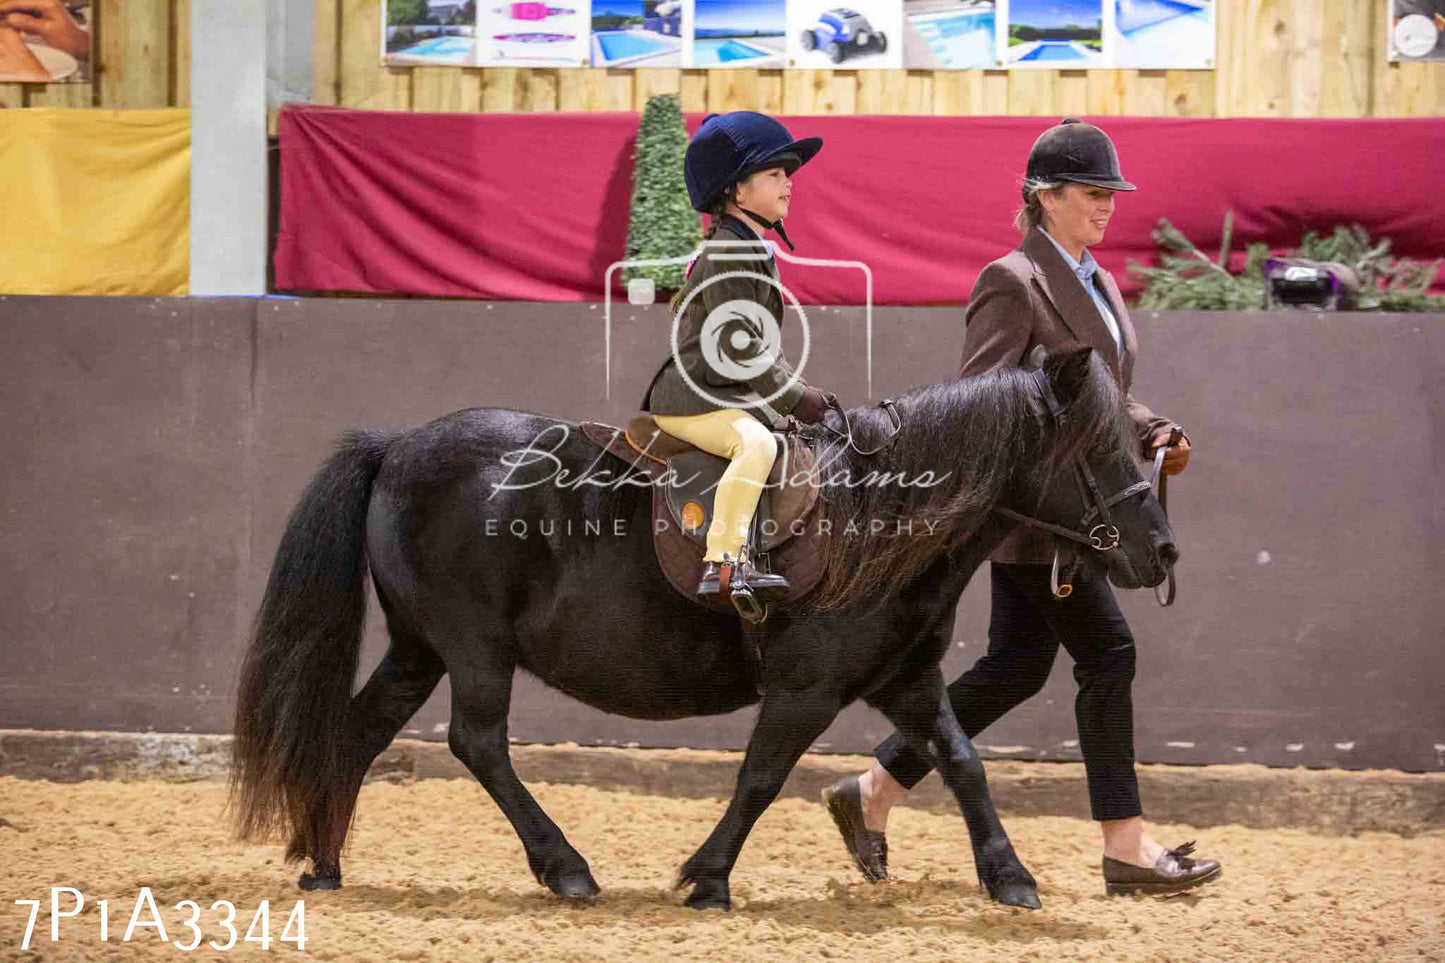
1101,535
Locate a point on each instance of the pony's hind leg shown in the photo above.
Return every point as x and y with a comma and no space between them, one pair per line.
924,716
481,696
396,690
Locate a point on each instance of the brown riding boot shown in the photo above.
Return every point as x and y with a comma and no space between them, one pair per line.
767,586
717,577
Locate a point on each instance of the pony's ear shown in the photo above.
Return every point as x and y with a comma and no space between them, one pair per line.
1068,372
1036,358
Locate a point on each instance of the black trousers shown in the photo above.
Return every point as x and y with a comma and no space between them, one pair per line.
1026,627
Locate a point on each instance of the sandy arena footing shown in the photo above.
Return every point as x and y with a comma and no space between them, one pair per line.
434,872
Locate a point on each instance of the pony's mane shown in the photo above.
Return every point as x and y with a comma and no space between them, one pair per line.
985,433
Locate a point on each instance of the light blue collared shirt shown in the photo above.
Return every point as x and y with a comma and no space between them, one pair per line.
1084,271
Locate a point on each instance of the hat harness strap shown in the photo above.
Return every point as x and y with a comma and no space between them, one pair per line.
768,225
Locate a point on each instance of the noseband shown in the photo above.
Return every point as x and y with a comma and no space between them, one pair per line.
1102,536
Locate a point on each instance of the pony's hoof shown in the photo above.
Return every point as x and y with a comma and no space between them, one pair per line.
1017,894
311,883
580,886
705,897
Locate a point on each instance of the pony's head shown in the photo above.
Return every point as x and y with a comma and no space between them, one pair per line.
1088,491
1010,442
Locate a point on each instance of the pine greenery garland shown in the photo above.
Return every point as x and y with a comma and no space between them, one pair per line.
1187,279
662,222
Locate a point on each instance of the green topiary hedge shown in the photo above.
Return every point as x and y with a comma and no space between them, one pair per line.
661,222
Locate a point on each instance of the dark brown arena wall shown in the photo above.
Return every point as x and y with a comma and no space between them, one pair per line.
152,450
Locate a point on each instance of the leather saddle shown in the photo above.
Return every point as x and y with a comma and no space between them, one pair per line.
786,537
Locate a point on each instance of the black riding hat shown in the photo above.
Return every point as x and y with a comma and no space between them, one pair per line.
1076,151
727,148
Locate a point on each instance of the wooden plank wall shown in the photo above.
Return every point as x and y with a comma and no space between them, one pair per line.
1276,58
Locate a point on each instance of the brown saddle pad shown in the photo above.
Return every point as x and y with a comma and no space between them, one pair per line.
797,510
800,559
791,486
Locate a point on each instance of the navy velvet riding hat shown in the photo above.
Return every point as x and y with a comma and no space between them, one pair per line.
729,147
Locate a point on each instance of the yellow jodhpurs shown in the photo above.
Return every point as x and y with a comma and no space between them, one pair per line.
736,435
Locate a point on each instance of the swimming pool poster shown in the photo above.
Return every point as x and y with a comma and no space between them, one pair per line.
949,35
427,32
1161,34
738,33
1417,29
1057,34
865,34
640,33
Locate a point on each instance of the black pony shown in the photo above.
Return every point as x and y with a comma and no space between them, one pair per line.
495,543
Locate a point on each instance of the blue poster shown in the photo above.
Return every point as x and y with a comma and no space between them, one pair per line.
1059,34
1163,34
738,33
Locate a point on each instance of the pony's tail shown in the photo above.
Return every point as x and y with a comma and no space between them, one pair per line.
288,762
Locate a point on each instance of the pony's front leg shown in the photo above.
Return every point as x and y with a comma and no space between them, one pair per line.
788,723
924,717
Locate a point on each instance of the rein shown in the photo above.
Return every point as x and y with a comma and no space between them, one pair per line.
1161,491
886,404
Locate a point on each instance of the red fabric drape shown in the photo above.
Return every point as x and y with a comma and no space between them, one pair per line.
533,207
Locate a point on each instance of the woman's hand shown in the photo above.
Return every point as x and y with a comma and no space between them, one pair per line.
48,20
1175,456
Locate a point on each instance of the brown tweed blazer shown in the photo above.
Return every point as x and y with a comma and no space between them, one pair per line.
1029,297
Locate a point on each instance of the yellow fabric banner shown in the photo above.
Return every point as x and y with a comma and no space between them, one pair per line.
96,201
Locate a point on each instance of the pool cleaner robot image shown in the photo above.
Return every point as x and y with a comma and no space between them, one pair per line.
842,33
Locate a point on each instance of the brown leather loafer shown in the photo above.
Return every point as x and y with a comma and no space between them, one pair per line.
869,849
1173,872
